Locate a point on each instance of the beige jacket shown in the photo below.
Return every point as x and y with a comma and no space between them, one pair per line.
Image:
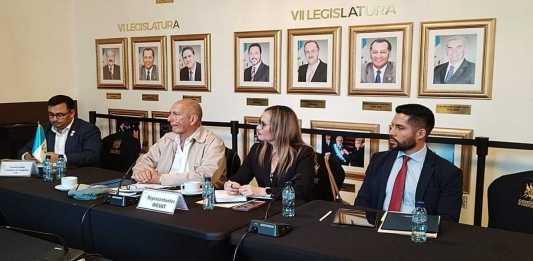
206,158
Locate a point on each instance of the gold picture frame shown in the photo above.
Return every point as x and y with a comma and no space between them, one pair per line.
322,43
457,59
353,172
393,41
112,63
246,134
148,62
157,128
248,47
141,134
191,62
450,151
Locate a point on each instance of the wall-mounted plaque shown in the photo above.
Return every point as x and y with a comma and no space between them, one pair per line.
377,106
454,109
198,99
313,104
113,96
257,101
150,97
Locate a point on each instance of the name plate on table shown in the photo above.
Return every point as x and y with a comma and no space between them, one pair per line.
162,201
17,168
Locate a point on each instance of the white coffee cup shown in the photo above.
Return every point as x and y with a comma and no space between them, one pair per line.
191,187
69,182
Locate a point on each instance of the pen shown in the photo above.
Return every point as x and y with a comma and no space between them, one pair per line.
325,216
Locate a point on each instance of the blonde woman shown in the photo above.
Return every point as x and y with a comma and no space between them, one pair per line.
280,156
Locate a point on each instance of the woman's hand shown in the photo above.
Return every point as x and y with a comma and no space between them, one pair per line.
250,190
232,187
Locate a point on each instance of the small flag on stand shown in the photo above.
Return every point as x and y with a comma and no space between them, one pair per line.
39,149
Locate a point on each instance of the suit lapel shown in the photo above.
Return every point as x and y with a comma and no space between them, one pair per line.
50,139
70,135
425,175
386,169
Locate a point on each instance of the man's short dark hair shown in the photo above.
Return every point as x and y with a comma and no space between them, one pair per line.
255,45
419,116
185,49
149,49
382,40
58,99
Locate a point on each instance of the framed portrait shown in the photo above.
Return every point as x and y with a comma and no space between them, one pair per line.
191,62
160,129
148,62
380,59
112,63
257,61
139,131
352,152
456,58
459,155
313,60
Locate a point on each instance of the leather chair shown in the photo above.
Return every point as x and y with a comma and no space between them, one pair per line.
233,162
510,202
119,151
330,177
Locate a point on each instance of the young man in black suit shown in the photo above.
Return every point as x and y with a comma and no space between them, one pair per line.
76,139
410,171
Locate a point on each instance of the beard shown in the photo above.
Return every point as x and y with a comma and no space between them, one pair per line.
406,145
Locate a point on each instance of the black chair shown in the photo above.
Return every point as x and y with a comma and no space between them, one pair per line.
233,163
510,202
119,151
330,177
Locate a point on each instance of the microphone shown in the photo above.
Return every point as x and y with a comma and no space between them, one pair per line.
274,184
122,200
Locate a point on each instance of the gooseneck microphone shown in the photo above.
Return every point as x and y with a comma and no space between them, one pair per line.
121,200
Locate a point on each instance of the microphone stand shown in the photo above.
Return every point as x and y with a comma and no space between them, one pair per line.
117,199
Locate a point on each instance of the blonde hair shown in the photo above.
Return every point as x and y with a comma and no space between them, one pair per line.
287,138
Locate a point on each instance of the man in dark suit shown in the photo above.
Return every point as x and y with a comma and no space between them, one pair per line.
315,70
259,71
111,70
192,70
410,172
148,71
458,70
380,70
76,139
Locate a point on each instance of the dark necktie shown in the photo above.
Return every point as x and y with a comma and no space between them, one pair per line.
449,75
191,78
148,75
253,73
378,77
399,186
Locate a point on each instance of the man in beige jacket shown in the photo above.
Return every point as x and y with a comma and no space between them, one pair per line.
188,153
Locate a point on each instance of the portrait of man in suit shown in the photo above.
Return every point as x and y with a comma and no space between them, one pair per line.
192,69
148,71
380,69
111,71
457,70
315,70
258,71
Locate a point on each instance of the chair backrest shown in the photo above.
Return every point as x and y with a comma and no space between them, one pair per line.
233,163
510,202
330,177
119,151
333,184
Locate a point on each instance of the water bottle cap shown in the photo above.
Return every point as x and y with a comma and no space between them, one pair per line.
61,156
207,178
419,204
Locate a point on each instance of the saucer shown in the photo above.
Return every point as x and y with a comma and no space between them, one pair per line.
191,193
62,188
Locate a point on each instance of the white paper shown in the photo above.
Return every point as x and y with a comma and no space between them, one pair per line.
221,196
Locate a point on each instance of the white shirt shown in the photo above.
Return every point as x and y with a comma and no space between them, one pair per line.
191,72
381,72
148,72
61,138
180,163
311,69
455,67
414,169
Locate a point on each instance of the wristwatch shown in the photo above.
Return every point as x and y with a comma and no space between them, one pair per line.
268,190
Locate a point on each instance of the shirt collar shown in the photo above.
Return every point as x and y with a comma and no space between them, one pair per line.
457,65
194,136
65,130
382,69
418,156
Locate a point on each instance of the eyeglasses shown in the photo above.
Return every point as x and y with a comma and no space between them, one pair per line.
262,124
58,115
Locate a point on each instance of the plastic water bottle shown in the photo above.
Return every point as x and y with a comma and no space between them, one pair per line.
61,167
287,199
208,194
419,223
47,169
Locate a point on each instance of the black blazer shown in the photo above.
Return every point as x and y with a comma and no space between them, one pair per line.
321,73
184,73
82,147
440,185
303,165
260,76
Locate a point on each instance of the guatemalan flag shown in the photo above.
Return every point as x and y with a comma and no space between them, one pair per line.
39,150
